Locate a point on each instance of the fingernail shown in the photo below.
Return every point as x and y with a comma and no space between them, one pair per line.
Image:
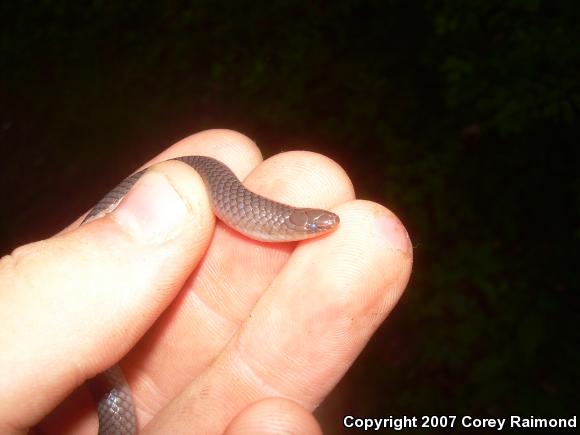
393,232
152,212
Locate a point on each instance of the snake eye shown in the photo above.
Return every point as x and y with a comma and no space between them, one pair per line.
311,226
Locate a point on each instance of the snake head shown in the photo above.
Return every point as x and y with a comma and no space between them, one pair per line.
313,221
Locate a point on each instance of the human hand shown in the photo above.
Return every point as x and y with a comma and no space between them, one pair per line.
215,332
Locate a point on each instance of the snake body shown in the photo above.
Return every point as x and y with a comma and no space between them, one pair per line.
251,214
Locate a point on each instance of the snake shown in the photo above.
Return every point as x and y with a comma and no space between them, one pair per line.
250,214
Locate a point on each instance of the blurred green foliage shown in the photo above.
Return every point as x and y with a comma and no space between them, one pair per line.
462,117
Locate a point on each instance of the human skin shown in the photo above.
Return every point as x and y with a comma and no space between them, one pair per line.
214,331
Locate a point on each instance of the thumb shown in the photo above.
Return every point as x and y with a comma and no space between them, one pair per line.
72,305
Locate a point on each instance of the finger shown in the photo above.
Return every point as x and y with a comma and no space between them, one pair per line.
241,155
233,276
309,326
234,149
74,304
274,416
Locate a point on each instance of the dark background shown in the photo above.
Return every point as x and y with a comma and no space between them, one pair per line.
461,117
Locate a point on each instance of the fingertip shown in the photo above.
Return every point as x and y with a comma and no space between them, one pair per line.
216,139
233,148
373,220
318,181
153,211
274,416
371,242
170,198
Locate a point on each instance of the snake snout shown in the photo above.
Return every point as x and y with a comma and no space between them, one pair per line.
326,221
313,221
320,221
